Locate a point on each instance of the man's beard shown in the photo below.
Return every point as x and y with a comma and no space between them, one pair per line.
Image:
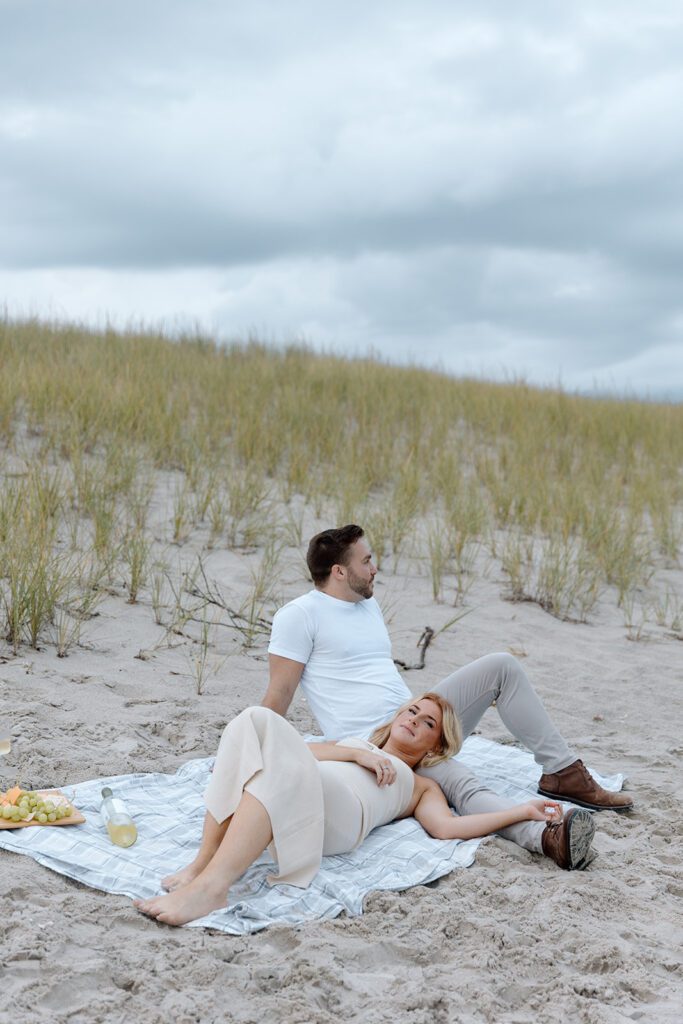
358,585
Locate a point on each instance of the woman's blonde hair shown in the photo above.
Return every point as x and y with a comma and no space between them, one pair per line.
447,745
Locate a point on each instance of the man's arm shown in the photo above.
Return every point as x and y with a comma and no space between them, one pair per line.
285,676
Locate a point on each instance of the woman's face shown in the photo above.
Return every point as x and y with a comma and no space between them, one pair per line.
418,728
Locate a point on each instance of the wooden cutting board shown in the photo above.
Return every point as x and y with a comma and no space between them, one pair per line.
74,819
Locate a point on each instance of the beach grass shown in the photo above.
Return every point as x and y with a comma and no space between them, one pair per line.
573,497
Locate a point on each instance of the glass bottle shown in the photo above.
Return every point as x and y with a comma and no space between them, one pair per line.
5,738
120,825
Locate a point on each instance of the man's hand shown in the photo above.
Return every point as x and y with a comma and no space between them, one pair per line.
285,675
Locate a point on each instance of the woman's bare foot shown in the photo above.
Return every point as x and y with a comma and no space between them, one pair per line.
182,877
182,905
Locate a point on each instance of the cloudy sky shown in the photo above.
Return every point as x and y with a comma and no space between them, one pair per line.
493,186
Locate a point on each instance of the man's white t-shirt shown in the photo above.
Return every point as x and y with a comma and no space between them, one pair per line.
350,680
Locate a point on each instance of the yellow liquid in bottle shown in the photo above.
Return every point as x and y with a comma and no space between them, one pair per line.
5,746
122,835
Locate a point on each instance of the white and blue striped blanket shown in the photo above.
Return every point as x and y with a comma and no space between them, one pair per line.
168,811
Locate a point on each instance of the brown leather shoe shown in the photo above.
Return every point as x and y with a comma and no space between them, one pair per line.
568,842
575,783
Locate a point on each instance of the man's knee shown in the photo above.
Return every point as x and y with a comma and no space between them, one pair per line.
503,662
504,667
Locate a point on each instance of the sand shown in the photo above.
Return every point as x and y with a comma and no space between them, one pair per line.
512,939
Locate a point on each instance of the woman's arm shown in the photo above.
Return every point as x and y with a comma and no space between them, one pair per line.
379,764
434,814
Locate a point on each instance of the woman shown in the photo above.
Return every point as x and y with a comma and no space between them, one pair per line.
267,791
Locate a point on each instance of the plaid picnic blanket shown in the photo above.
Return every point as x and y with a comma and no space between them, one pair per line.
169,811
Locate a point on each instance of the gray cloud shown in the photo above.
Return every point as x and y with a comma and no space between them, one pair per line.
486,183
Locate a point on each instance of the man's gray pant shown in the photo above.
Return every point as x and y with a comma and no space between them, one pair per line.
471,690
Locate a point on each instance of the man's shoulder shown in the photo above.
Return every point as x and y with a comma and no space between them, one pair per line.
306,602
372,607
301,609
315,606
294,630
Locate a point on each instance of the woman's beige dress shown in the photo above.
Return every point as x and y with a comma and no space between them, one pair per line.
315,807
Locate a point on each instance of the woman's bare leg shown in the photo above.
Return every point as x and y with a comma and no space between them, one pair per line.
212,837
249,834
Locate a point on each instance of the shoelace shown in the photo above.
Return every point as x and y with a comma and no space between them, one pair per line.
587,777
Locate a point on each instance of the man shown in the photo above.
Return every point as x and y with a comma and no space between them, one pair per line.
334,642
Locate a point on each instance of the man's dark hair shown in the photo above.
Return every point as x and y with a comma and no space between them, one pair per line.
331,547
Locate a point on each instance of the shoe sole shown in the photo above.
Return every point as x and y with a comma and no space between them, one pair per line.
580,832
580,803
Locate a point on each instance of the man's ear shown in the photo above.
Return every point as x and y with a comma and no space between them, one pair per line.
338,572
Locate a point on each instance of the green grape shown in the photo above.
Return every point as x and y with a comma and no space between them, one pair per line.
16,814
52,816
49,806
42,817
7,812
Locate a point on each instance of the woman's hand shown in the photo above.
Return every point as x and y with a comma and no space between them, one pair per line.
377,763
542,809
